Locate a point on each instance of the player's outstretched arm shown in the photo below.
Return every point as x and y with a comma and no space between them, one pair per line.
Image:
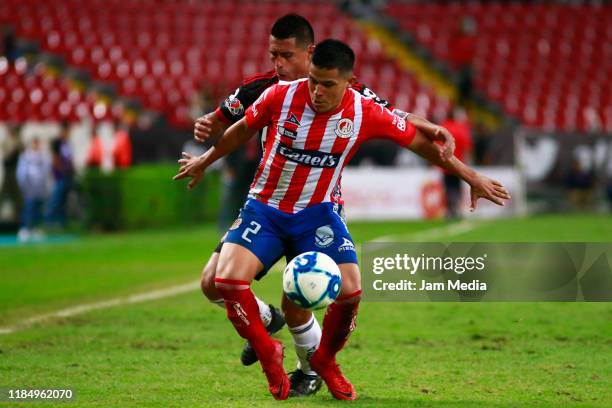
194,166
209,128
434,133
480,186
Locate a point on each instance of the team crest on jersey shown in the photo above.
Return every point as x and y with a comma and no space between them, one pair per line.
344,128
324,236
234,105
293,119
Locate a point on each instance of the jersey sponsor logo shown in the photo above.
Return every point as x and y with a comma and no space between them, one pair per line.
399,122
347,245
324,236
312,158
284,131
400,113
240,313
344,128
289,128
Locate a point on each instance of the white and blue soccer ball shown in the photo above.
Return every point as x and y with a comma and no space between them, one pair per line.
312,280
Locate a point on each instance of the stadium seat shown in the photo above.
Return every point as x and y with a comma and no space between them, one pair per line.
529,49
164,56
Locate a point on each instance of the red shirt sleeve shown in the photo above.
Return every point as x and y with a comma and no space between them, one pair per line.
259,114
381,123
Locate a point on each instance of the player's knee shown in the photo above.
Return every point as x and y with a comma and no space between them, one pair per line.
294,316
351,279
207,283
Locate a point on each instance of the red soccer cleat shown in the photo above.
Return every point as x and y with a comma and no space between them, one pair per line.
272,364
336,382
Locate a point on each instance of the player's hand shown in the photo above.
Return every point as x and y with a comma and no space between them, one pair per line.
190,167
202,130
447,148
489,189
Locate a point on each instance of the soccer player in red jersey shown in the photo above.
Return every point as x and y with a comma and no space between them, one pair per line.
292,196
291,46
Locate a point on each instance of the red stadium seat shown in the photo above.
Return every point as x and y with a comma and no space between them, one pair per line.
519,42
163,56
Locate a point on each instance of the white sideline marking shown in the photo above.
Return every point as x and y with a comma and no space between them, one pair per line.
427,235
78,309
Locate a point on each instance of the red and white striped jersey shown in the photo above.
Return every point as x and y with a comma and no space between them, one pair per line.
305,151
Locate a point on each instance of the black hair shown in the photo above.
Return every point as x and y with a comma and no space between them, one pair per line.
330,54
293,26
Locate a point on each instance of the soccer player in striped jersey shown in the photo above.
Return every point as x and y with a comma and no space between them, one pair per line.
290,49
292,198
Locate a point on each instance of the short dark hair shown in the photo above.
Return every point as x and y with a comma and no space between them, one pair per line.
330,54
293,26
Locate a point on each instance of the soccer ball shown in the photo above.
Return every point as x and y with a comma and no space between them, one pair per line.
312,280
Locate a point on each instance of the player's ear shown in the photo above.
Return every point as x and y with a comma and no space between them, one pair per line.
310,50
350,78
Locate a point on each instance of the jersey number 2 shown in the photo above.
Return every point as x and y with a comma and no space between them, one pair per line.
255,227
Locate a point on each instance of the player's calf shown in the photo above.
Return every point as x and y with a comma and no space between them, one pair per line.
273,319
270,316
243,312
305,331
338,324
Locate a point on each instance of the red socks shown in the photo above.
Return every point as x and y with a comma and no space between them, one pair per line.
243,312
338,323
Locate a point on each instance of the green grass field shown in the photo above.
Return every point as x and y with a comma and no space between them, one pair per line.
180,351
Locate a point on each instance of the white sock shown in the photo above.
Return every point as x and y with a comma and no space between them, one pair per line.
306,339
264,311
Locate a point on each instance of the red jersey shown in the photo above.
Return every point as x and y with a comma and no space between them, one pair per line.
305,151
